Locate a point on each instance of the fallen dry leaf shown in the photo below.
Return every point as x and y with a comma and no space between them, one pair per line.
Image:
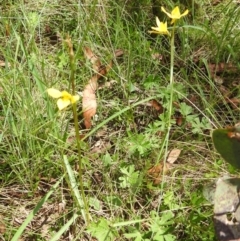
92,58
89,101
157,106
179,120
173,155
155,173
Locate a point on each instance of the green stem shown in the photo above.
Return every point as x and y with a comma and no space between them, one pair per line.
170,108
171,75
72,63
80,162
72,77
75,117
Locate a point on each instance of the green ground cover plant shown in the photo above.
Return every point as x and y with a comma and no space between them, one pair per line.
154,93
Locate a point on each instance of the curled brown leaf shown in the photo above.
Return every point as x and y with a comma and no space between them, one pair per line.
89,101
92,58
156,172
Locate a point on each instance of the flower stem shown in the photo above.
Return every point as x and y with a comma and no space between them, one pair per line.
80,162
72,63
171,74
75,117
171,86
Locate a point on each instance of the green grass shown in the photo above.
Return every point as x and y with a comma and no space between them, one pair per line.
127,137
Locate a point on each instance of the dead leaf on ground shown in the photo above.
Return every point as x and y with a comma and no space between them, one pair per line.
157,106
173,155
179,119
92,58
155,173
89,100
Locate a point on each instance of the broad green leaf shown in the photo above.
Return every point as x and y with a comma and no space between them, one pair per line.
227,146
102,230
136,234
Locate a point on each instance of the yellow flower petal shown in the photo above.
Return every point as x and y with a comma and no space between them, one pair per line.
75,98
161,28
63,103
54,93
66,95
163,10
64,98
175,14
185,13
158,22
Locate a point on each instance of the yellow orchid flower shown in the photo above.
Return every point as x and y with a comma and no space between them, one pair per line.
161,28
175,14
64,98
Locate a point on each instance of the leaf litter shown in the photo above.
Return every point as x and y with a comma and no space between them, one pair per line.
156,172
89,100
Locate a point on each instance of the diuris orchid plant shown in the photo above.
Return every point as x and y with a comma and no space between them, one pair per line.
175,14
162,29
64,100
